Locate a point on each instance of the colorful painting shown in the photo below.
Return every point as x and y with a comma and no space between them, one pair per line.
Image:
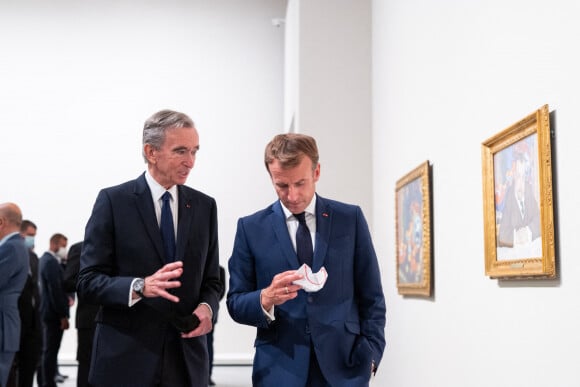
413,232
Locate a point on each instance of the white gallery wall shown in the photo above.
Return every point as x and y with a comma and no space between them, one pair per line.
328,92
78,79
447,75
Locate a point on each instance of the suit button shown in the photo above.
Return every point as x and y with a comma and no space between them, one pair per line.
310,299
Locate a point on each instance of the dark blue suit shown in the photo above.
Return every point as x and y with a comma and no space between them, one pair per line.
344,322
13,272
53,308
123,241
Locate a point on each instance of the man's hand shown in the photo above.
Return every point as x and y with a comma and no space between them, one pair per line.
156,285
280,290
205,323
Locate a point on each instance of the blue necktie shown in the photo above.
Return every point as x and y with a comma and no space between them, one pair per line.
303,241
166,226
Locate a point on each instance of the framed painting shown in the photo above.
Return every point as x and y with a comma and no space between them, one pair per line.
517,200
413,229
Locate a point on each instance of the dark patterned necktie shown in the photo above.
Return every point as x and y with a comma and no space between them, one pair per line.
303,241
167,230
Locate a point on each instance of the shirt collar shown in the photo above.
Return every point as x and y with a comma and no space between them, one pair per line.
310,208
157,190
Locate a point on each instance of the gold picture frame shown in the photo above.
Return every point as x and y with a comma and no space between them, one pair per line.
413,229
517,200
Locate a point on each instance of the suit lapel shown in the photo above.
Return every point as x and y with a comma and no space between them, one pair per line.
323,227
280,228
144,204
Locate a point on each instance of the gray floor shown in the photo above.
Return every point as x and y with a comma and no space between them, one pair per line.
223,376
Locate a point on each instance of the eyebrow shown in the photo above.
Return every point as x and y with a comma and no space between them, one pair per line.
180,148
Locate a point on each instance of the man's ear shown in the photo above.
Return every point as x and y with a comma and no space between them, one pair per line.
149,152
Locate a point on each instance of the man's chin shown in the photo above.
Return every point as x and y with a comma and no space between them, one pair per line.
181,180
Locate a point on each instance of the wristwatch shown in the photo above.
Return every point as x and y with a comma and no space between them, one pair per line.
139,286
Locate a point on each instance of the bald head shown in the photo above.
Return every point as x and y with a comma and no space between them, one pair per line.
10,219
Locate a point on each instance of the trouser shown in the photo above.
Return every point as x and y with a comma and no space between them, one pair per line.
51,344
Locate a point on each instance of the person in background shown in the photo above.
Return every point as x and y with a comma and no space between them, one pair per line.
14,266
215,318
54,308
85,316
27,360
150,259
332,335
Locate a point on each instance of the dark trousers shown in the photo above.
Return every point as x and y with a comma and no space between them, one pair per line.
29,357
8,369
84,349
315,376
210,350
51,345
172,371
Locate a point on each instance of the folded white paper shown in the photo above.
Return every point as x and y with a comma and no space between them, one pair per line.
311,282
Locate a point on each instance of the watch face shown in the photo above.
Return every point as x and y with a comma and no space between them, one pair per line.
138,286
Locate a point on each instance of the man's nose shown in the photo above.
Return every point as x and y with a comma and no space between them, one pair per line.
292,194
189,160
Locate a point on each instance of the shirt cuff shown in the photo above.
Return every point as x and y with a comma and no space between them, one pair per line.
268,313
209,307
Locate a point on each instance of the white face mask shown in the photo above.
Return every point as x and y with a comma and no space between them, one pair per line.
61,253
29,242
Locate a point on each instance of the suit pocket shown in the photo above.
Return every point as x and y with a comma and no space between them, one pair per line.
361,351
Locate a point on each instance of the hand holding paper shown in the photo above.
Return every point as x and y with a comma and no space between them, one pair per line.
311,282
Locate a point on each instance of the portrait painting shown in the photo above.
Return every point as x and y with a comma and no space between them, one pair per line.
518,208
517,200
413,228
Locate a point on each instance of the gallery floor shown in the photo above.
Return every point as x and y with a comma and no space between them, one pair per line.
223,376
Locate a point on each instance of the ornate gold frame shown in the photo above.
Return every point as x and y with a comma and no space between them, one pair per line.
503,260
413,195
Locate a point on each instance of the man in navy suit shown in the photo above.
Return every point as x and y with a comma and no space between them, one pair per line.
54,307
150,260
14,270
330,337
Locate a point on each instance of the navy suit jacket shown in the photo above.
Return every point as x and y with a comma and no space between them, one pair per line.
54,300
122,242
345,320
13,272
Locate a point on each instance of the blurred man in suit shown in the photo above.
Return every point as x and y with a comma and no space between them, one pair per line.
14,266
27,360
150,260
85,316
54,307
